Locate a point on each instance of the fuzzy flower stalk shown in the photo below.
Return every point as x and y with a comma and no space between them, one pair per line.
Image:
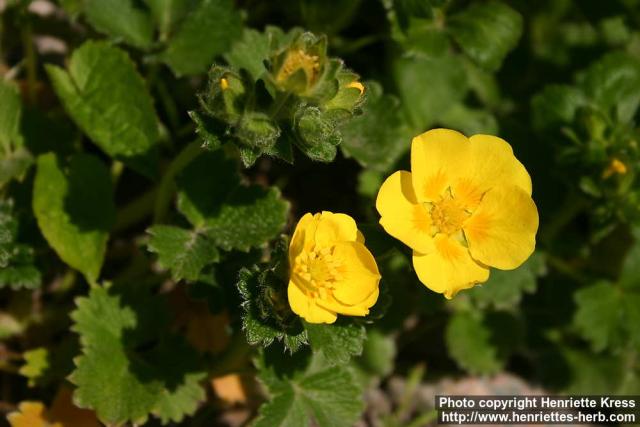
331,270
465,206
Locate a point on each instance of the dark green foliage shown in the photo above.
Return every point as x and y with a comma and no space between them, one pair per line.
156,155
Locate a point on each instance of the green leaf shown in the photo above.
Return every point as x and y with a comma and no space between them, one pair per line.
591,373
130,365
232,215
14,158
318,395
505,289
378,353
121,20
10,115
36,363
600,315
556,105
184,252
16,260
73,203
380,136
469,343
205,33
470,121
14,165
406,9
337,342
101,77
487,31
428,87
613,82
250,52
167,13
630,272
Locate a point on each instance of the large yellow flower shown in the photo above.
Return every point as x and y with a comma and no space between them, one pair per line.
331,271
464,207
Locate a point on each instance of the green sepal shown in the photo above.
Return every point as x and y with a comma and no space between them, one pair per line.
267,315
317,133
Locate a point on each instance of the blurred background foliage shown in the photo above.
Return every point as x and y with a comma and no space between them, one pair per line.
111,109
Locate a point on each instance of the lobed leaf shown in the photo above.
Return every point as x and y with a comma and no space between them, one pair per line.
428,87
468,343
613,83
184,252
320,395
504,289
487,31
130,365
205,33
337,342
601,315
232,215
380,136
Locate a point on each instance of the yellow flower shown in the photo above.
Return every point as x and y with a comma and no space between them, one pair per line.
30,414
331,271
615,167
464,207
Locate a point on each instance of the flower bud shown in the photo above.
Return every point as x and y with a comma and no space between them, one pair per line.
298,67
257,130
317,133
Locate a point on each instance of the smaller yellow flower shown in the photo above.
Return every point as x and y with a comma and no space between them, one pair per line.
30,414
224,84
298,59
464,207
615,167
331,270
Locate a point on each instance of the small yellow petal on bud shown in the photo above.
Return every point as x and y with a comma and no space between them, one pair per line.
224,83
615,167
357,85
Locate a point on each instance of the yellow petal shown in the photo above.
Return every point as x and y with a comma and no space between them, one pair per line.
303,236
335,227
401,214
349,310
371,299
449,268
491,163
30,414
360,275
502,231
438,157
306,307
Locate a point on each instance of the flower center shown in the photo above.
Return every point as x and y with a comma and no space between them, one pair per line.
299,60
318,270
448,215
